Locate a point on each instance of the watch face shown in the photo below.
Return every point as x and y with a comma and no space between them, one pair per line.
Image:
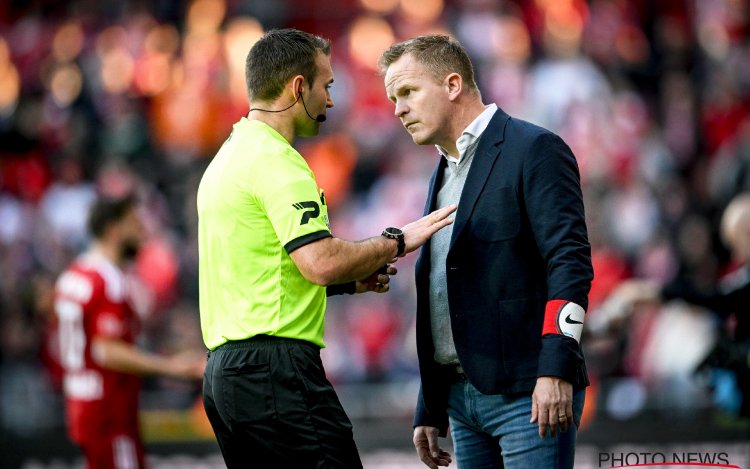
394,231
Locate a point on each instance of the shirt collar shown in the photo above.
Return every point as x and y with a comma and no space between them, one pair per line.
471,133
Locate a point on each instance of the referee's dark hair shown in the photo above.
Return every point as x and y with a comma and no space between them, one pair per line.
278,56
108,210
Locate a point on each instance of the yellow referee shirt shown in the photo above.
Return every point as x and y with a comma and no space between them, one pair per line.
257,202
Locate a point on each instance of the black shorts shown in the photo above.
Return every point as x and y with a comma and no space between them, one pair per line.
271,406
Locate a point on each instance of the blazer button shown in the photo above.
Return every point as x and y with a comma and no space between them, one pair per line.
453,268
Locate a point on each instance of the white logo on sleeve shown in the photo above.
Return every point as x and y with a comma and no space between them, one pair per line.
110,325
570,320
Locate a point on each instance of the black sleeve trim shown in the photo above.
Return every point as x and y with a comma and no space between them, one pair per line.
348,288
562,357
306,239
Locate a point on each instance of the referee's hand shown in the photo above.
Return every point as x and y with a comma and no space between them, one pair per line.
430,453
378,281
418,232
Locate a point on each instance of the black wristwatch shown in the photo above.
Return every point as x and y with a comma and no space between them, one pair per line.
398,235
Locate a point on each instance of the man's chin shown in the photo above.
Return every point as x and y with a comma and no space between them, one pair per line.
419,140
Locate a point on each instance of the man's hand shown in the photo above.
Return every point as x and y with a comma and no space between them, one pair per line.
418,232
426,443
637,291
118,355
552,405
187,365
378,281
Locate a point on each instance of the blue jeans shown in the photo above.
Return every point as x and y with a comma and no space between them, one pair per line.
493,432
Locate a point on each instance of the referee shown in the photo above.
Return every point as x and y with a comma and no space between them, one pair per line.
267,261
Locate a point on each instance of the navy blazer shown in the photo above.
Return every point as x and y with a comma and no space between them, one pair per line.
519,244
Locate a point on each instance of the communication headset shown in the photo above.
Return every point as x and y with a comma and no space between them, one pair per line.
319,118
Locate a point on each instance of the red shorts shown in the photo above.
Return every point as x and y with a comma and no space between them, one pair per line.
114,451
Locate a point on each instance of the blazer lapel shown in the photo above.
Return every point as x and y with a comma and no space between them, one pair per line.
429,206
486,154
435,182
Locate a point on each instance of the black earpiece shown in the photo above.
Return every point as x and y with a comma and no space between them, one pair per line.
319,118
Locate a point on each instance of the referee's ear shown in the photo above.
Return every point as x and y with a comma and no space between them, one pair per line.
297,86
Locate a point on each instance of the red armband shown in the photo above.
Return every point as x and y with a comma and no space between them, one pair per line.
563,317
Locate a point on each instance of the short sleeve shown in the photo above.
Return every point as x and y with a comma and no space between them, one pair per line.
108,315
109,323
297,209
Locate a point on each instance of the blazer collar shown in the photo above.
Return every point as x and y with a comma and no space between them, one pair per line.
493,135
488,150
487,153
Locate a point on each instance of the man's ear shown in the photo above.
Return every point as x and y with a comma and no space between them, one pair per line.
454,85
297,85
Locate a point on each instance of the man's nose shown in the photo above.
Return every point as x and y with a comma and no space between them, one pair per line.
400,110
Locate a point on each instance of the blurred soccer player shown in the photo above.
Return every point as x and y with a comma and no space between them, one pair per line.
97,327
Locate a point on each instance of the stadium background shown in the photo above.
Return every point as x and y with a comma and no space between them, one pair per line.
114,96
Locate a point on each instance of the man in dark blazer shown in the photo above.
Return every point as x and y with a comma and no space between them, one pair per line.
501,293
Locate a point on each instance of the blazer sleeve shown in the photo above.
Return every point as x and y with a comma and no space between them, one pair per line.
422,417
554,206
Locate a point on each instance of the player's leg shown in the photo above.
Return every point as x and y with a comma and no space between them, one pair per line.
114,451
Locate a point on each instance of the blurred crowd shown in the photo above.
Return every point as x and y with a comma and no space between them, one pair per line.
114,97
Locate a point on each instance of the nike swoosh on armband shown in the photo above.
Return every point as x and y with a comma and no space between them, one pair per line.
568,320
564,317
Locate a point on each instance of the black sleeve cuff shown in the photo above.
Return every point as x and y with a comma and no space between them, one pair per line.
561,357
348,288
423,417
306,239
